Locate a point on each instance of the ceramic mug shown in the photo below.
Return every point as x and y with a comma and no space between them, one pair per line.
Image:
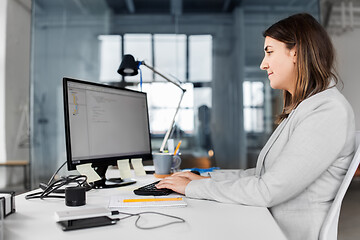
166,162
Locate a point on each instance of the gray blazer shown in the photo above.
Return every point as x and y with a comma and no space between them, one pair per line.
299,170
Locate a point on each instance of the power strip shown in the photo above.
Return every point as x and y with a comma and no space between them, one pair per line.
81,213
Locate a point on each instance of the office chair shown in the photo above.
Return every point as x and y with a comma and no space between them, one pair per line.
329,228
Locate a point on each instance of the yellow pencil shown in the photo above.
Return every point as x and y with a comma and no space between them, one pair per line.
177,147
152,199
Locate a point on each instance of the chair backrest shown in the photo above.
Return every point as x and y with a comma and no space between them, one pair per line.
329,228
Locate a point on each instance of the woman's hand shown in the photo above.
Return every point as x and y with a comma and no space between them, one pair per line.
178,181
177,184
189,175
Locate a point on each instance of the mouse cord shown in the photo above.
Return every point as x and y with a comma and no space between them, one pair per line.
180,220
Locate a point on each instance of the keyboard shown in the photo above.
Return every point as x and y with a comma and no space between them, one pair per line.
150,189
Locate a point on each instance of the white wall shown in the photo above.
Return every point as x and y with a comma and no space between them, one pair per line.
17,75
348,52
3,7
15,25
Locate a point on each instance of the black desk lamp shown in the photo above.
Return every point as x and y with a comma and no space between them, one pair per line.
129,67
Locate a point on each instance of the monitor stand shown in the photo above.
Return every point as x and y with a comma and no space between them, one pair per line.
111,182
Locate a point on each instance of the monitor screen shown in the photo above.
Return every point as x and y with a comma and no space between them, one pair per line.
104,124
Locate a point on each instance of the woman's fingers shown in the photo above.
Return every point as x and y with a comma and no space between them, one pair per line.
175,183
189,175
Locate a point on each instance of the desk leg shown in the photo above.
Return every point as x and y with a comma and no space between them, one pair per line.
26,177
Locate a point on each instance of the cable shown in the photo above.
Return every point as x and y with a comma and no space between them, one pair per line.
140,78
53,176
80,180
56,185
181,220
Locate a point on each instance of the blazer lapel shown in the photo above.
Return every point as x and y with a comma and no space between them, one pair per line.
268,145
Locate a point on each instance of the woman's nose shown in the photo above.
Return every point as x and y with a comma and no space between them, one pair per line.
264,65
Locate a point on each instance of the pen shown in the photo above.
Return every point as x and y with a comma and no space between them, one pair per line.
177,147
152,199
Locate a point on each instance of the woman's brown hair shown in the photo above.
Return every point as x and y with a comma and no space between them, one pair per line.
315,57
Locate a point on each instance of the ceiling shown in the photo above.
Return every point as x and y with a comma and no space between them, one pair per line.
171,7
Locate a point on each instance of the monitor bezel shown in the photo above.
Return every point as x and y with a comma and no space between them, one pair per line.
97,162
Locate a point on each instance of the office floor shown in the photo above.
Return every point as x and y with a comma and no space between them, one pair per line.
349,224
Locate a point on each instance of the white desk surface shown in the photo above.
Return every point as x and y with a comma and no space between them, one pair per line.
34,219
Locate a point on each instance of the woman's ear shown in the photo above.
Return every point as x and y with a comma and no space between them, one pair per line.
293,53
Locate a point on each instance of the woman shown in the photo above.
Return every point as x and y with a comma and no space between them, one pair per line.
300,168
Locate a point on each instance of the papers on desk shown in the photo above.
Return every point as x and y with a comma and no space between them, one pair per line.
131,201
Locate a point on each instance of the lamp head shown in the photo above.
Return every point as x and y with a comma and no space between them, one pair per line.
128,66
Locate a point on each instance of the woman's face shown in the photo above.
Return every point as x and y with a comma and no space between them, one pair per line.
280,64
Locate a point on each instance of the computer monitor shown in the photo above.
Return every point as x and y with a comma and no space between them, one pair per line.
104,124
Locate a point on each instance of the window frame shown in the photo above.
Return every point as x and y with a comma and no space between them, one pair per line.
196,84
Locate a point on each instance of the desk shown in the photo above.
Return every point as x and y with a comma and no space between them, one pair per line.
34,219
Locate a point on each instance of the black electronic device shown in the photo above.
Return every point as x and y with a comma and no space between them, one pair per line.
75,196
86,223
151,189
104,124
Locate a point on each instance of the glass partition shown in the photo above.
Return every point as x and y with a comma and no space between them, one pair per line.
214,51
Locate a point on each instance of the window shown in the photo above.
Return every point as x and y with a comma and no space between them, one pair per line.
139,45
200,58
163,100
253,106
168,54
110,57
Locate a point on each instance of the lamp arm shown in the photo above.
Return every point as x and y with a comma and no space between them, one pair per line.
167,135
160,74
